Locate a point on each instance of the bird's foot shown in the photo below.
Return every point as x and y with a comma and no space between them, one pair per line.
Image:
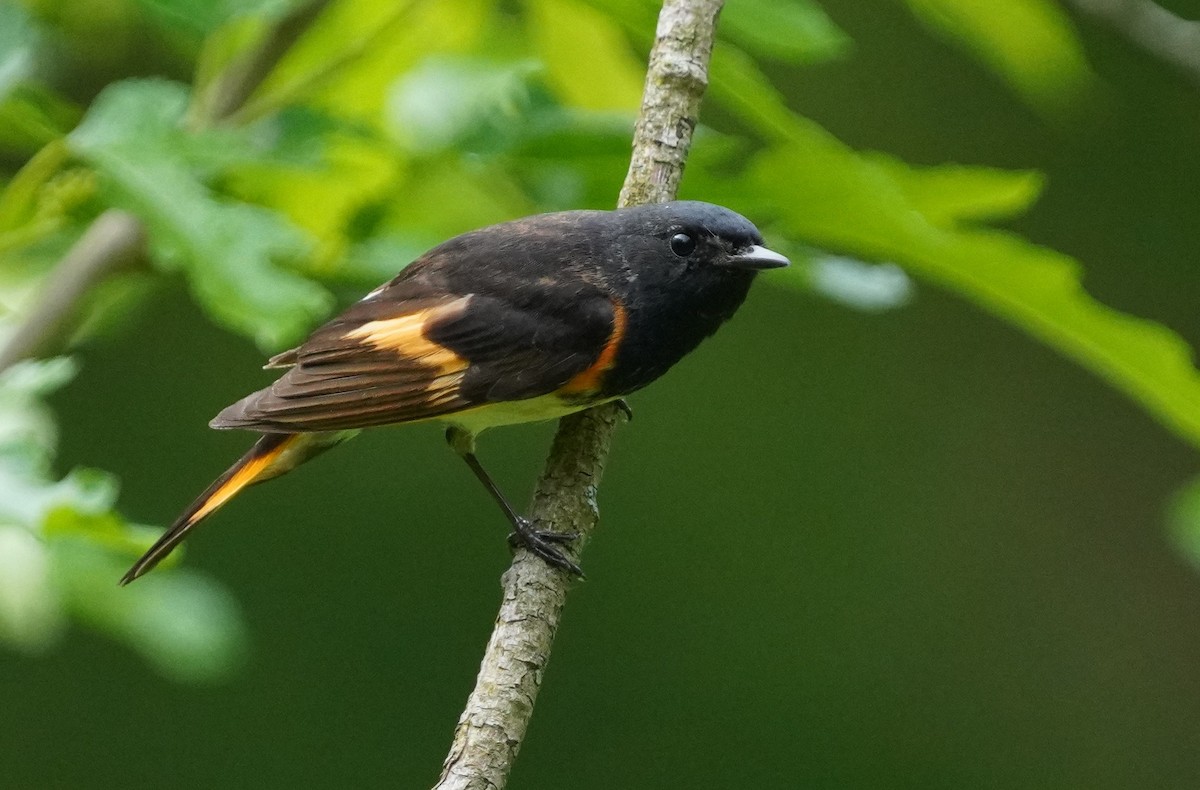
544,544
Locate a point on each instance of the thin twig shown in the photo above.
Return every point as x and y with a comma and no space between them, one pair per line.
241,79
116,237
492,726
1168,37
329,70
110,242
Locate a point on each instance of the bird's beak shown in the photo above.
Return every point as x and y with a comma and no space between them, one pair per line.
757,257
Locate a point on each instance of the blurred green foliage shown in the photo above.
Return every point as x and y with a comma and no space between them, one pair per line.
1030,43
61,544
385,127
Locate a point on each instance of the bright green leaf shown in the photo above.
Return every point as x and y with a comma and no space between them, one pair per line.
36,378
639,18
18,201
448,197
951,194
588,59
230,252
322,191
1030,43
200,17
816,185
813,183
32,116
188,626
793,31
450,102
347,62
146,116
102,527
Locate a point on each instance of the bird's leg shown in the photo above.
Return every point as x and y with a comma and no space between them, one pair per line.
540,542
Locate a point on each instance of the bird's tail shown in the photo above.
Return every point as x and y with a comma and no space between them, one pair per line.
272,455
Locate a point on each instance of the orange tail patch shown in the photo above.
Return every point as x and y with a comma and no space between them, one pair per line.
272,455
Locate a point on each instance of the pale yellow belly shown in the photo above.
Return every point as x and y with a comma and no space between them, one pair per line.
545,407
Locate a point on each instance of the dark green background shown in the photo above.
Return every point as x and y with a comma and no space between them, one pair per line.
838,550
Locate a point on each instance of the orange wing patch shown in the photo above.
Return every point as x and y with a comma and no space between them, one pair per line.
406,335
590,379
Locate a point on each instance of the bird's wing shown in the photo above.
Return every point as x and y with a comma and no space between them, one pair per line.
400,357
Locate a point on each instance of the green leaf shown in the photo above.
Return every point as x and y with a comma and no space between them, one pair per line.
589,62
200,17
458,102
347,62
639,18
1183,522
62,548
188,626
190,16
817,186
813,184
32,116
19,39
185,625
230,251
321,176
27,430
18,201
36,378
31,613
950,194
147,116
32,500
792,31
1030,43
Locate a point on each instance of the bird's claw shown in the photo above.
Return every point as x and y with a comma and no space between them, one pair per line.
545,544
623,405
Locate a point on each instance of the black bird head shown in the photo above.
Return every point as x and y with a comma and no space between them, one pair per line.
696,255
685,268
690,235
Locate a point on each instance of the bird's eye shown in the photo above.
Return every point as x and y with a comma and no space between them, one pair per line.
683,245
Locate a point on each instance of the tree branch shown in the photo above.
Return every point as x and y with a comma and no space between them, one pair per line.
1155,29
492,726
241,79
113,240
115,237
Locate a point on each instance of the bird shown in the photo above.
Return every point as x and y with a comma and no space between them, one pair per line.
522,321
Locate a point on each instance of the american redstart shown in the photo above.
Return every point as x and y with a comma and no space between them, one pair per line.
522,321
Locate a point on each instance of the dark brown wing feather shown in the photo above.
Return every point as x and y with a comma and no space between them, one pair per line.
391,359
